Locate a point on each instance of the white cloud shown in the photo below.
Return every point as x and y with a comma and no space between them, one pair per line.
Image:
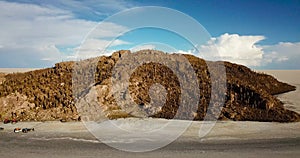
274,57
37,31
245,50
234,48
119,42
141,47
185,52
91,8
282,51
93,47
32,35
284,55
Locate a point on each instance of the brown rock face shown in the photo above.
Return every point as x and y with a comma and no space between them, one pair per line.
154,90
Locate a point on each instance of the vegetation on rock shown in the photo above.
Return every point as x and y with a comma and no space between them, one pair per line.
47,94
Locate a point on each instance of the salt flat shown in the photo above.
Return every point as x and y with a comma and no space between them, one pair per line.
288,76
15,70
227,139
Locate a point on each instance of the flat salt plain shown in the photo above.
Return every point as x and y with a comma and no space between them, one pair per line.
226,139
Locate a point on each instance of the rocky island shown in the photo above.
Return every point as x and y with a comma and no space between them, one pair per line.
48,94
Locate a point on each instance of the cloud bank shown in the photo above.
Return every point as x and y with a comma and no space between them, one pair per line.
282,55
33,35
39,35
245,50
235,48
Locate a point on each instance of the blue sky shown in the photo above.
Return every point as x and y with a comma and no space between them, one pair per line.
256,33
277,20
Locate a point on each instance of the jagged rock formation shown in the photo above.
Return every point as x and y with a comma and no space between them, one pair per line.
47,94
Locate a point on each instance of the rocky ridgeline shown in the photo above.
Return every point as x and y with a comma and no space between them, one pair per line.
48,94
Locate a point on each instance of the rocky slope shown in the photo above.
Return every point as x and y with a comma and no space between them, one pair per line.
48,94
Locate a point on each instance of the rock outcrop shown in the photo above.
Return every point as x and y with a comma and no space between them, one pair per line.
2,77
49,94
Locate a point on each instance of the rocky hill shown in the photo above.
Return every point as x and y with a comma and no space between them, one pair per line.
48,94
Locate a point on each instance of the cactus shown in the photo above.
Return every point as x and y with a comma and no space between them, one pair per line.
49,92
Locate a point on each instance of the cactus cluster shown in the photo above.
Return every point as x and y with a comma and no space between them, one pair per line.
51,93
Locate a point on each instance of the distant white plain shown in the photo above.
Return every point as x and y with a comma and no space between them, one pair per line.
16,70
